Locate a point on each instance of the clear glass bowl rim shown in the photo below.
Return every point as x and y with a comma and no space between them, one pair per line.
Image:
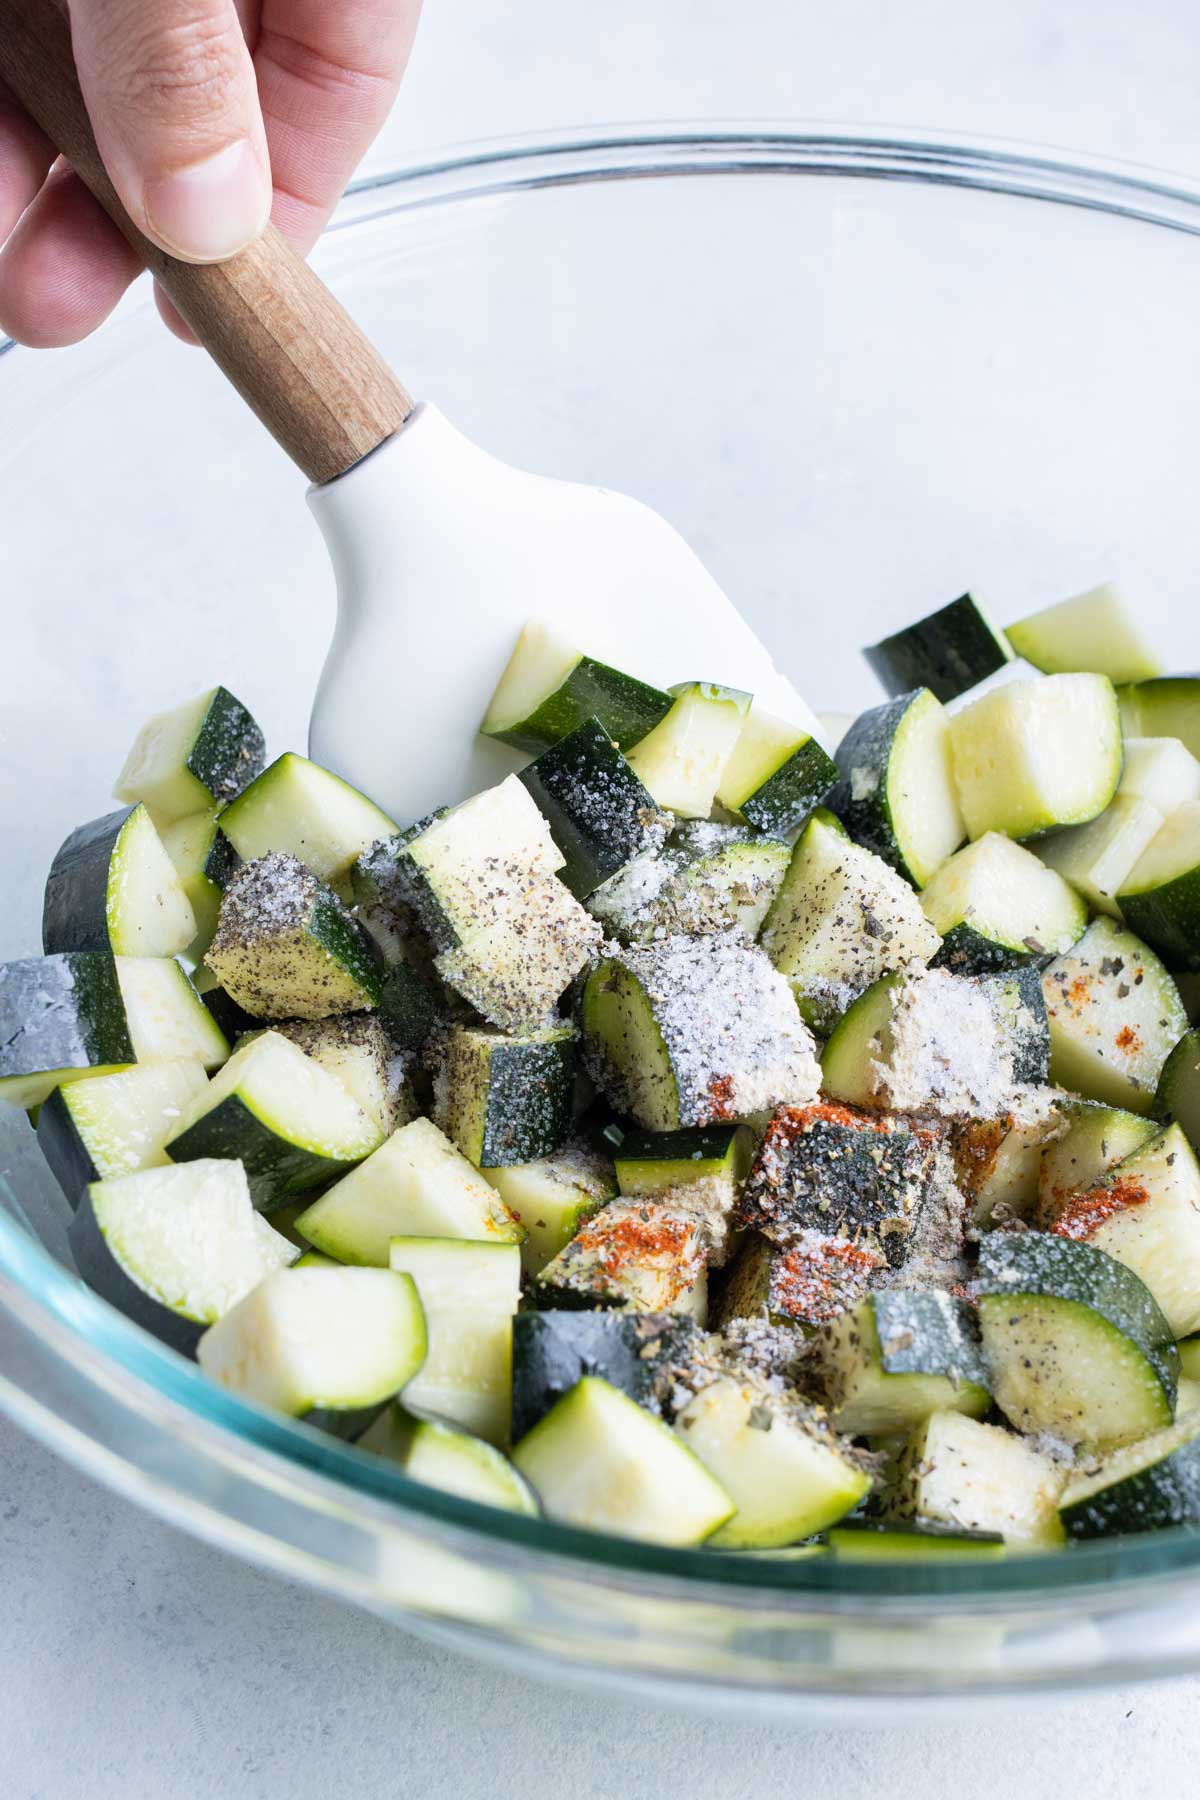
53,1304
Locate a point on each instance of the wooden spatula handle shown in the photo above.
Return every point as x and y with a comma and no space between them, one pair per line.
296,357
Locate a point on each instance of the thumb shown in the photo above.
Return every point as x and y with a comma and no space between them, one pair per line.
171,91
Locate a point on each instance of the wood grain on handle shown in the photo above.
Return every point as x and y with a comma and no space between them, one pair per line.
294,355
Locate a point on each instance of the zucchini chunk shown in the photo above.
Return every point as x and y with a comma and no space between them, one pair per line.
869,1540
1146,1214
231,1019
829,1169
1075,1343
1022,1021
695,1031
358,1050
200,755
470,1293
1097,1138
113,886
597,1459
407,1008
1162,771
116,1124
1115,1016
785,1471
298,807
443,1456
1160,898
777,774
897,1358
650,1162
549,688
1098,859
683,759
1178,1096
841,921
1033,756
515,971
807,1284
895,793
286,947
417,1184
962,1473
330,1346
168,1021
1168,706
1093,633
1146,1486
1189,1360
62,1018
204,859
506,1099
997,906
290,1122
706,879
175,1249
640,1353
646,1256
551,1198
950,651
998,1162
599,813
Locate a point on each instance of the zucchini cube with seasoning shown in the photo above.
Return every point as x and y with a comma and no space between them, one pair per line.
550,1198
647,1257
897,1358
286,947
830,1169
515,970
807,1283
506,1099
600,814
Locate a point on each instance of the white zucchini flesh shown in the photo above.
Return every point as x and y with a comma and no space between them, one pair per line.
469,1292
125,1119
168,1021
1162,771
1034,756
1115,1015
599,1460
297,806
146,908
1008,895
786,1483
1097,859
291,1095
682,761
980,1478
1153,1226
927,820
1095,631
156,768
1172,852
537,668
417,1184
484,855
443,1456
318,1337
764,743
550,1199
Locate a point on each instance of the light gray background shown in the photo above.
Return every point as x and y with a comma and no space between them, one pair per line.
135,1662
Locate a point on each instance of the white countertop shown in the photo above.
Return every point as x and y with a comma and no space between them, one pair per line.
136,1662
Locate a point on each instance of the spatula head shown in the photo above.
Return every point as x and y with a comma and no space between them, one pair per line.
442,553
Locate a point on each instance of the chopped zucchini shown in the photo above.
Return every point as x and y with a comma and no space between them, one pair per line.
1094,633
358,1050
415,1184
1022,1021
777,774
407,1008
175,1249
1115,1016
807,1284
829,1169
960,1472
787,1475
330,1346
1168,706
286,947
298,807
706,878
112,885
640,1353
1178,1096
869,1540
443,1456
1147,1486
1097,859
601,816
515,971
1033,756
842,919
470,1293
1097,1138
645,1256
204,860
898,1357
683,759
650,1162
116,1124
1075,1343
998,1162
168,1021
290,1122
550,1199
1162,771
1160,897
997,906
196,757
948,652
229,1017
895,793
62,1018
506,1099
598,1460
549,688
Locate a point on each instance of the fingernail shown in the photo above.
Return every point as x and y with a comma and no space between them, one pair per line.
212,209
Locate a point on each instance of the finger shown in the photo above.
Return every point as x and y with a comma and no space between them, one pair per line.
64,268
25,158
327,77
170,88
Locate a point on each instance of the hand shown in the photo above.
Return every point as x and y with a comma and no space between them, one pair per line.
212,116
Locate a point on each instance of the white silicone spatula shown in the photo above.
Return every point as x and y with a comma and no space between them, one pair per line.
441,552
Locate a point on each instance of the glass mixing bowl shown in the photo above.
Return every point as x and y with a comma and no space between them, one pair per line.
861,373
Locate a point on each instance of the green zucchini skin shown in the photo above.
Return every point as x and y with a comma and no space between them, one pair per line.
1019,1001
407,1007
276,1170
966,951
275,898
626,708
677,1157
1168,919
63,1011
380,878
527,1103
950,651
597,809
868,744
1178,1096
876,1541
796,789
1163,1494
74,906
229,751
102,1272
232,1019
635,1352
1164,706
